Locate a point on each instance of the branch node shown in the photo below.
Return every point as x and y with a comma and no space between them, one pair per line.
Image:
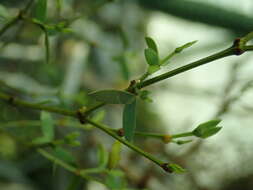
81,115
120,132
237,47
78,172
132,87
11,100
165,167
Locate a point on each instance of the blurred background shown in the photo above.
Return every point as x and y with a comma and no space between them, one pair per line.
103,49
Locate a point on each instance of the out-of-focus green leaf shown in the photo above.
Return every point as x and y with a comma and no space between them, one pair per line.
64,155
144,95
115,180
181,142
59,5
47,127
121,60
47,124
3,12
187,45
129,120
74,183
103,156
61,27
207,129
114,156
151,44
71,139
41,10
97,117
151,56
113,96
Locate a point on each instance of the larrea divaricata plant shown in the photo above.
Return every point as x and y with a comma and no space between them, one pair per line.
49,146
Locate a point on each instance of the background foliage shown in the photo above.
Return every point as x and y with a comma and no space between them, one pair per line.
57,52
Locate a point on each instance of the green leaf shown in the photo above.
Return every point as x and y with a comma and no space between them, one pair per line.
41,10
151,44
176,168
144,95
97,117
59,6
209,124
122,61
151,56
3,12
47,123
71,139
64,155
61,27
113,96
115,180
114,156
187,45
129,120
103,156
153,68
181,142
207,129
47,127
74,183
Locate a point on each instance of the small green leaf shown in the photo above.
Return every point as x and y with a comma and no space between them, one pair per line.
59,6
153,68
113,96
176,168
71,139
187,45
144,95
74,182
115,180
3,12
151,56
47,124
103,156
151,44
47,127
114,156
41,10
207,129
61,27
209,124
129,120
64,155
122,61
181,142
97,117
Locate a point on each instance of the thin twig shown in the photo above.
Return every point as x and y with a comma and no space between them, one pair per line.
17,102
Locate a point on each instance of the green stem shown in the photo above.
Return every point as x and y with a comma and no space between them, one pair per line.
17,102
37,123
9,24
47,45
143,77
152,135
26,104
16,18
187,134
219,55
167,58
128,144
67,166
93,108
